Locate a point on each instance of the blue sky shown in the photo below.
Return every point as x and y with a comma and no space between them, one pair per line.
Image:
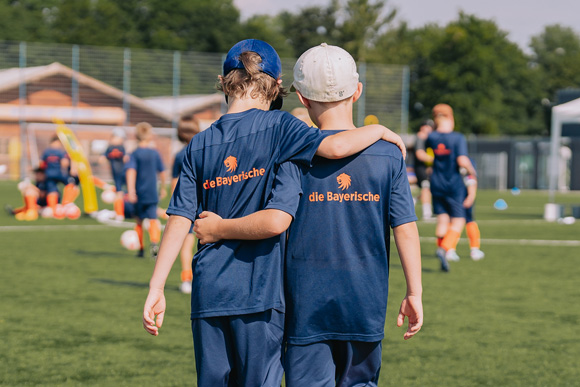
520,18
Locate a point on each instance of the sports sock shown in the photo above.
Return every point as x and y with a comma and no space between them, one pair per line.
450,240
154,231
100,183
119,206
439,240
473,234
427,212
186,275
70,193
139,229
52,200
30,201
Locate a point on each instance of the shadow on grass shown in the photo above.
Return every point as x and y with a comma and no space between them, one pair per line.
96,254
121,283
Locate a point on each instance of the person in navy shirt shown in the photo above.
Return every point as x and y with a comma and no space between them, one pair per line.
143,167
447,186
55,163
116,156
337,261
237,304
187,128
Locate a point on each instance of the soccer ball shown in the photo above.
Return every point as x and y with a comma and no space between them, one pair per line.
46,212
108,196
59,212
72,211
130,240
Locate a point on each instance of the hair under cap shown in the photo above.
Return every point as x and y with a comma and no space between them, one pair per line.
270,65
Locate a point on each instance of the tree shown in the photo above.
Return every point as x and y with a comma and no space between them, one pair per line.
471,65
557,54
362,25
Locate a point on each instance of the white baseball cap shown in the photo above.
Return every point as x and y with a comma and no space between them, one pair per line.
325,74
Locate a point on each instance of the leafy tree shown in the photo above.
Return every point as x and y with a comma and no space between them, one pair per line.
557,54
268,29
471,65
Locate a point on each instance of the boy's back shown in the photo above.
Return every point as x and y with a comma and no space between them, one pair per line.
233,165
338,250
446,179
147,162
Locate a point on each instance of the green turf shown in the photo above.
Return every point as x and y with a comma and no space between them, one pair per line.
72,299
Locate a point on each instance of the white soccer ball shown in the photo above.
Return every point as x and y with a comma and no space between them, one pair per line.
105,215
108,196
130,240
46,212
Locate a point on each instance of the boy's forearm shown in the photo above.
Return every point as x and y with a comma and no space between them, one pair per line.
259,225
131,176
349,142
423,156
408,245
176,230
464,162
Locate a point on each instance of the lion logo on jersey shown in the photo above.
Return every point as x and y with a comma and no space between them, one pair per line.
343,181
231,163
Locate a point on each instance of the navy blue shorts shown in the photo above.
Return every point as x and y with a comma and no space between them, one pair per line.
452,206
333,362
52,183
146,211
241,350
469,215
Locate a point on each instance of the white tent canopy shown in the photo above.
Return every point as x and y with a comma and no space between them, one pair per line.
568,112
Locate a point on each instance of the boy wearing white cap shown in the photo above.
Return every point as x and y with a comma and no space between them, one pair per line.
337,260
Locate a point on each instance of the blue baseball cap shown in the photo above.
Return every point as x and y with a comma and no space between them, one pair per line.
270,65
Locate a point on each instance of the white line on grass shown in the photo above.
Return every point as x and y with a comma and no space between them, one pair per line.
55,227
532,242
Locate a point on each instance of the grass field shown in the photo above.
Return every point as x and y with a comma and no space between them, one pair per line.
72,299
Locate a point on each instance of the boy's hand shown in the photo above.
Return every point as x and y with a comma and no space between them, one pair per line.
412,307
132,197
468,202
206,227
154,311
393,137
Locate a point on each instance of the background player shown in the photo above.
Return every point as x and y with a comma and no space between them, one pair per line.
55,163
188,127
116,156
33,195
422,170
338,250
447,187
237,302
142,169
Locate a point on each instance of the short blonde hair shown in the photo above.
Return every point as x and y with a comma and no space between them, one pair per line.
187,128
238,82
143,131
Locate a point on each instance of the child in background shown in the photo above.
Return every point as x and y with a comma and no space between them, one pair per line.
33,195
117,158
143,167
56,163
188,127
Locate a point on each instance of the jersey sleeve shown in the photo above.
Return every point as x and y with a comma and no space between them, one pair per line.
159,163
461,146
175,171
184,199
401,207
286,189
299,142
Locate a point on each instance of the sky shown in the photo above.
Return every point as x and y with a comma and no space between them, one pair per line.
522,19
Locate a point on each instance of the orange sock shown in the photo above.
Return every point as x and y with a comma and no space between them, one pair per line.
473,234
52,200
119,206
70,193
154,231
439,240
186,275
100,184
31,204
450,240
139,229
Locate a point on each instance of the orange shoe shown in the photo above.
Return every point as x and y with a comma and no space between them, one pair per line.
27,215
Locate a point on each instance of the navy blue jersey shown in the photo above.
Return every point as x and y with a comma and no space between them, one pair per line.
177,162
337,265
52,158
229,169
115,155
446,180
147,162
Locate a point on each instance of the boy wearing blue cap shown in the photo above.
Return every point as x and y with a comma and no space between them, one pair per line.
237,304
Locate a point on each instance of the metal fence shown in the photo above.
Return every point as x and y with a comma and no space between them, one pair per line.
152,73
